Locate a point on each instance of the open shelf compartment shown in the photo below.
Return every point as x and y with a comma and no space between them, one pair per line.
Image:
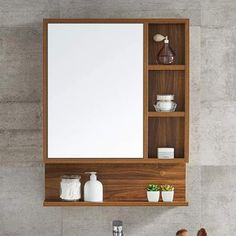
124,185
176,35
166,132
166,82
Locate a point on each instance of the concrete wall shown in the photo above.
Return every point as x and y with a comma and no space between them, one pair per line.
212,167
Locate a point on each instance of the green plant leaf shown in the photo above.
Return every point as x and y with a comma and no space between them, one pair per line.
167,187
153,187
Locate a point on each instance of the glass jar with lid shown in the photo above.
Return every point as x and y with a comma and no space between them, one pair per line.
165,103
70,188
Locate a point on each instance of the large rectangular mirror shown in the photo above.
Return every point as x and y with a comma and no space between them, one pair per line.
95,90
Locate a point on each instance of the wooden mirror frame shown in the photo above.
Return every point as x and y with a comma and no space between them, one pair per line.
125,180
184,67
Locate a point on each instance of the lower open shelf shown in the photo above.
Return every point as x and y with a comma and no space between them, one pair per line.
59,203
123,185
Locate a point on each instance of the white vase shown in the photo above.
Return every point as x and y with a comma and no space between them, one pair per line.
153,196
167,196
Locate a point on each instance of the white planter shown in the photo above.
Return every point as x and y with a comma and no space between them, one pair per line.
167,196
153,196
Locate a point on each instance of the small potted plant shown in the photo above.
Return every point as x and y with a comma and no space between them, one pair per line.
167,193
153,192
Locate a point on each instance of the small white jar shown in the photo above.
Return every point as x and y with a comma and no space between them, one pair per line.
165,153
70,188
153,196
165,103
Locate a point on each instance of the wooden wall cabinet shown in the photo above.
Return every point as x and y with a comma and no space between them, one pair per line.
125,180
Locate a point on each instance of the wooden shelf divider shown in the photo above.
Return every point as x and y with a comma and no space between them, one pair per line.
59,203
148,160
166,114
166,67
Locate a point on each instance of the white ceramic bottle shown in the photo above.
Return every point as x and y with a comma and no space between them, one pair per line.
93,189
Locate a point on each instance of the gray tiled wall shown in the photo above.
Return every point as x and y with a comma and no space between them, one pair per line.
212,167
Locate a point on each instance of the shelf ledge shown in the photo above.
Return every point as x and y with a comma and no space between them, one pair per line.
150,160
166,67
59,203
166,114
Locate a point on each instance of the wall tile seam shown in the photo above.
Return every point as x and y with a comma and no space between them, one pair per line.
8,102
32,26
12,148
35,25
217,8
47,10
201,223
19,162
20,102
217,27
218,166
42,164
2,130
19,130
62,221
5,130
24,166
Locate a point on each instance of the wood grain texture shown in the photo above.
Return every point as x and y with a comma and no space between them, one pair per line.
120,182
166,114
45,91
187,99
177,30
176,35
166,82
125,180
60,203
117,20
166,132
166,67
145,91
153,160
